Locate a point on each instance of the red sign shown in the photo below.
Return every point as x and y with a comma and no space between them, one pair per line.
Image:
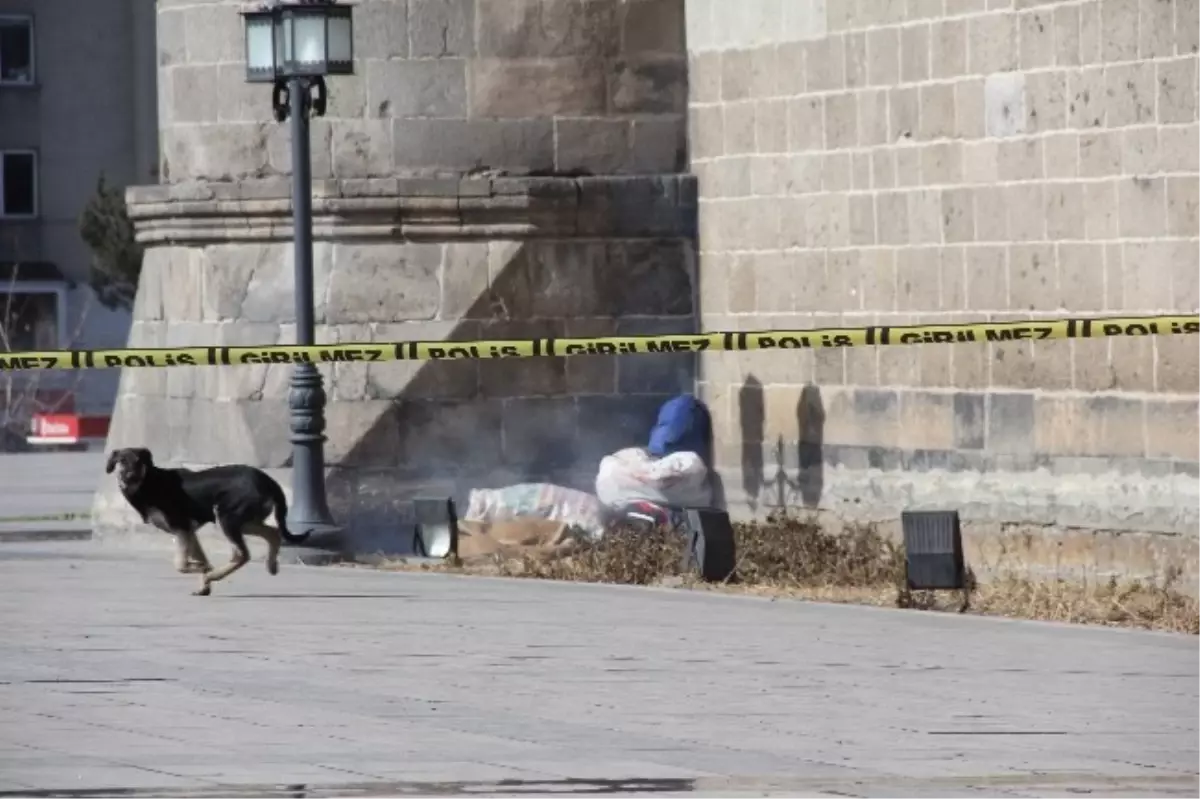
66,428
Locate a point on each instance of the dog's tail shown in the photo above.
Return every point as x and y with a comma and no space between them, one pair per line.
279,500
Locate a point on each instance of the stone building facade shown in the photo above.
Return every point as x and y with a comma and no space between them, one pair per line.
889,162
494,169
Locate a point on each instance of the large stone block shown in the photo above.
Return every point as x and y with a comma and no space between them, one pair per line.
652,26
655,279
465,144
195,93
441,28
206,152
362,148
170,37
554,280
381,29
466,281
655,374
235,98
241,383
213,34
523,89
650,86
417,88
269,280
534,377
441,380
382,282
445,438
598,146
514,29
540,435
589,375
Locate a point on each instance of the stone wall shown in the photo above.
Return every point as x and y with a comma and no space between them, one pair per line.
496,169
890,162
440,86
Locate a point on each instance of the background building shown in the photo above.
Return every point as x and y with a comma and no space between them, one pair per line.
77,100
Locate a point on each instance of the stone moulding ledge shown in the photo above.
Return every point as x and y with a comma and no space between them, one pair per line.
419,209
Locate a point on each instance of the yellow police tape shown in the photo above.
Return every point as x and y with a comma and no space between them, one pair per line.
875,336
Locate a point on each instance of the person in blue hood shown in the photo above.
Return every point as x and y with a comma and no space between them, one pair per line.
684,425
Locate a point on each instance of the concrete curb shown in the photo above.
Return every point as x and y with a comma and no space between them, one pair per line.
295,556
312,556
36,518
154,541
55,534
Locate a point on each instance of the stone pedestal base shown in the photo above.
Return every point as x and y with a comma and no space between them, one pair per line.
425,259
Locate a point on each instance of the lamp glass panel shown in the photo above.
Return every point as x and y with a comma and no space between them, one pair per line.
341,39
260,47
310,42
283,42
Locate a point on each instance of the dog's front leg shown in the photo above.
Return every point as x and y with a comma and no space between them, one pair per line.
181,553
189,554
196,554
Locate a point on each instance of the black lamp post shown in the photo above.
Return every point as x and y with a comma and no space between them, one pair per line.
293,46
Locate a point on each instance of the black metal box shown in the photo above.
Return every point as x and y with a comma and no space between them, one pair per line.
710,545
436,531
933,550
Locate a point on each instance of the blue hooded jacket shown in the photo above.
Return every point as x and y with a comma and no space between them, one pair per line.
683,425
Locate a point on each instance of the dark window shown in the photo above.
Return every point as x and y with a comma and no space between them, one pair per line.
18,178
28,322
16,50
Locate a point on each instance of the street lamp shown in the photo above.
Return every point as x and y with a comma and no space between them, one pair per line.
293,46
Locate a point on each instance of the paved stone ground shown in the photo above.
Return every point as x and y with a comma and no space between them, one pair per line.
47,483
351,681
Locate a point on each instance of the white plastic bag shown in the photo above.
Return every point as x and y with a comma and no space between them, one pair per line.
539,501
679,479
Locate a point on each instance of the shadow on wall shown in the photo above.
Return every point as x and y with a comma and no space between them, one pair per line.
751,417
445,427
804,459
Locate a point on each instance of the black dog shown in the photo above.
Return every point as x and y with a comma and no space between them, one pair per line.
239,499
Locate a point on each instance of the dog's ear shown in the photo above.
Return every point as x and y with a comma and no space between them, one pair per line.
144,457
112,461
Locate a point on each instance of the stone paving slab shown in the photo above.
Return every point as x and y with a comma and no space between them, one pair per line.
347,680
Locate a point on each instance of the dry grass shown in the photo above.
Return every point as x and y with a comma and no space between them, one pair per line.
1121,603
625,556
787,556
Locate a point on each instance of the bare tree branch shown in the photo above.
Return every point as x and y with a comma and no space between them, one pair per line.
21,393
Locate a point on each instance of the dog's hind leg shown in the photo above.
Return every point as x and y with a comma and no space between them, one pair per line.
240,557
274,541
